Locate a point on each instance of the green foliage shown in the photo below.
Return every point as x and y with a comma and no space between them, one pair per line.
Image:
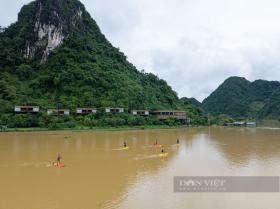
271,110
85,71
22,121
221,120
237,97
192,101
55,121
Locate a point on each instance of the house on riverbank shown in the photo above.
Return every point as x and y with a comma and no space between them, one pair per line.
58,111
114,110
27,109
85,111
170,114
242,123
140,112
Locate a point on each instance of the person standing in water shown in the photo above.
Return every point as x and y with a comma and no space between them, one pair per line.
178,141
124,144
162,150
156,143
58,159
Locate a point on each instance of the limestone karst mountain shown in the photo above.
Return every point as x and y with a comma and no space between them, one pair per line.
56,56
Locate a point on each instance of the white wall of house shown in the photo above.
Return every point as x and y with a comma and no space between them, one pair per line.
134,112
65,112
108,110
80,110
34,109
49,112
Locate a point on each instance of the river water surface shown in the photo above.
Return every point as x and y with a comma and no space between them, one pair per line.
100,174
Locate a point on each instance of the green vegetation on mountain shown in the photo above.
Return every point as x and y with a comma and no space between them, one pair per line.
240,98
271,109
192,101
55,56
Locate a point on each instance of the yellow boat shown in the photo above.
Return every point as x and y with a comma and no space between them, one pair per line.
163,154
125,148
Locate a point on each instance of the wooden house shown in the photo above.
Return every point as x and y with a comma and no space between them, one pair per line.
58,111
167,114
114,110
27,109
85,111
140,112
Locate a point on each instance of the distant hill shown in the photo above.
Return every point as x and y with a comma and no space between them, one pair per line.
56,56
192,101
238,97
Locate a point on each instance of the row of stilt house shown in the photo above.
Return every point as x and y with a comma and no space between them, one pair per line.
160,114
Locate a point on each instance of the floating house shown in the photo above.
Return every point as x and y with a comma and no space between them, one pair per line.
140,112
58,111
85,111
167,114
27,109
114,110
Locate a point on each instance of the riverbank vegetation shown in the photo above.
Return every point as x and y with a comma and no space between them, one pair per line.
101,120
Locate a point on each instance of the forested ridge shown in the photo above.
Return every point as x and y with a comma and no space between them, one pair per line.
240,98
55,56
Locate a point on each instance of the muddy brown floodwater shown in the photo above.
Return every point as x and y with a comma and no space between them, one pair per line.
100,174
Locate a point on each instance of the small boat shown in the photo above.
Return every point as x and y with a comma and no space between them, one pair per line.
125,148
59,165
163,155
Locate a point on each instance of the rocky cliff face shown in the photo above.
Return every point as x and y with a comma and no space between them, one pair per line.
51,27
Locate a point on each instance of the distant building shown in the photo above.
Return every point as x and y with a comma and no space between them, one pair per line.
59,111
114,110
85,111
239,123
242,123
27,109
140,112
167,114
251,124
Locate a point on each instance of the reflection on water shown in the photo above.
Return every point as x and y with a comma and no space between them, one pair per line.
100,174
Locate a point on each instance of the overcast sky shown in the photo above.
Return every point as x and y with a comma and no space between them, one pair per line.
193,44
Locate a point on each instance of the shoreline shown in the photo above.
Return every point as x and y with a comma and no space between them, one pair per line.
124,128
80,129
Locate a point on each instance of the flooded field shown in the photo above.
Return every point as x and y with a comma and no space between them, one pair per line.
100,174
